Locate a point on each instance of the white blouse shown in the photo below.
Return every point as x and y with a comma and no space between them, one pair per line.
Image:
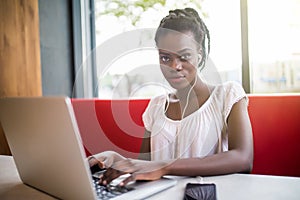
199,134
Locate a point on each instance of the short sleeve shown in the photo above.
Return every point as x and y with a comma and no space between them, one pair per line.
148,116
234,93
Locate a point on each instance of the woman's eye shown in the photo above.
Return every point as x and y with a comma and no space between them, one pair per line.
185,57
165,58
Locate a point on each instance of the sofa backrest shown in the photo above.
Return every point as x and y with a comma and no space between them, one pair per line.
117,125
276,134
111,125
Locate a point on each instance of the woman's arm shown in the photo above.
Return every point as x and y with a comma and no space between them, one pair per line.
238,158
145,148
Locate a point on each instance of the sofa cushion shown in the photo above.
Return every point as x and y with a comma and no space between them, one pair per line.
276,134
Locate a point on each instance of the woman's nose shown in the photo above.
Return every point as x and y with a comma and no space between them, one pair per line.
176,64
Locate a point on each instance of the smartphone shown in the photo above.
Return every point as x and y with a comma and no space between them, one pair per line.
200,191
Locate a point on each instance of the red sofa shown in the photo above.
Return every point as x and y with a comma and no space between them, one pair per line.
117,125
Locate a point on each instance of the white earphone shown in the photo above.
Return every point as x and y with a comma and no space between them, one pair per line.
199,61
199,58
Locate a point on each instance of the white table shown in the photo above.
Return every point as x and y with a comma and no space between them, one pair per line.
235,186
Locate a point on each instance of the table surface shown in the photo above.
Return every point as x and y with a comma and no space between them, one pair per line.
234,186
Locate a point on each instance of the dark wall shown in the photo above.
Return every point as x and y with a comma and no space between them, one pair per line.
55,18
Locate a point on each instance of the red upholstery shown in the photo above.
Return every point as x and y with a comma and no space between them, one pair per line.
276,133
111,125
117,125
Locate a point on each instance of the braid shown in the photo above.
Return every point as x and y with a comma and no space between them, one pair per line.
187,20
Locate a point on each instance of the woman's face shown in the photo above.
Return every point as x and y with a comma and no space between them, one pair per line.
178,57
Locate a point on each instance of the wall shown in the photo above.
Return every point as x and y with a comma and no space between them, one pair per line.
20,69
56,47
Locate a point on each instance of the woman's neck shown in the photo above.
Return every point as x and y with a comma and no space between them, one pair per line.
195,89
188,100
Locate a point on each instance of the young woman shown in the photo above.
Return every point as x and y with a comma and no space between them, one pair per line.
198,130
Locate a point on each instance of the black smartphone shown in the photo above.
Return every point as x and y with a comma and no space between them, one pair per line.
200,191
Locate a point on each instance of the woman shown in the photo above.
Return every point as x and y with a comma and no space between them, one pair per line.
198,130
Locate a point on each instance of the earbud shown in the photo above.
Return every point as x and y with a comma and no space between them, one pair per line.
199,62
199,58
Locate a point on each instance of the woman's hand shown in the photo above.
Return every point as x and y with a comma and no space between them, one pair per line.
105,159
138,170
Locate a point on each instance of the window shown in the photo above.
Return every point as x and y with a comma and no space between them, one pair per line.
127,70
274,45
127,61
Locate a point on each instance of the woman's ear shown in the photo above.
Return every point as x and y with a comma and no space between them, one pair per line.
199,58
199,55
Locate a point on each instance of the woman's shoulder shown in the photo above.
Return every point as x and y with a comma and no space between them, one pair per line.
157,101
230,87
228,93
161,98
154,109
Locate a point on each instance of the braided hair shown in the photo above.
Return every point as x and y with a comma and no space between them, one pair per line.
187,19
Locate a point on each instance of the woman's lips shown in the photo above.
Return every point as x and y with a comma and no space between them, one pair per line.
176,79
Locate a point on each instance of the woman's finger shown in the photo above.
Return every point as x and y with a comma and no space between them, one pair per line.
109,176
152,175
130,178
138,176
94,161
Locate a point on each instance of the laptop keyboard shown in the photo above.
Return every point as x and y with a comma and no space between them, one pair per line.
109,191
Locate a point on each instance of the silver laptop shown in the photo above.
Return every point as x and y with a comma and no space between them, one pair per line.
45,142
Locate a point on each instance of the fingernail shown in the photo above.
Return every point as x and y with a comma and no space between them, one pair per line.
104,182
121,184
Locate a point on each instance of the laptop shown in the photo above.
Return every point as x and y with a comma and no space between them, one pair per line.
45,142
